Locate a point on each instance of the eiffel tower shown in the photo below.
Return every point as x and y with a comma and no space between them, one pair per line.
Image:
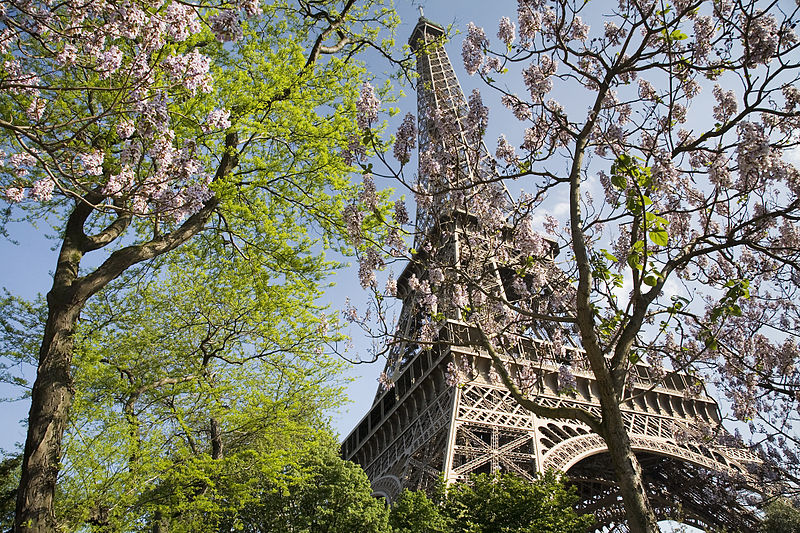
425,426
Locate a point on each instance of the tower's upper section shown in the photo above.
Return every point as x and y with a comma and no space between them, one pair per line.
452,156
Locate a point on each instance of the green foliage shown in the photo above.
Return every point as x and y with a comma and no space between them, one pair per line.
193,374
487,504
9,479
414,512
320,493
781,517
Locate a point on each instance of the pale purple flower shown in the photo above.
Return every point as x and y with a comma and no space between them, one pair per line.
537,77
578,29
367,106
406,139
566,379
368,194
505,150
68,55
761,40
646,90
521,110
530,22
451,375
528,241
400,212
506,31
182,21
472,48
118,183
251,7
109,61
218,119
614,33
703,34
36,109
478,115
391,286
353,218
42,189
192,70
93,162
726,104
15,194
226,26
126,128
385,381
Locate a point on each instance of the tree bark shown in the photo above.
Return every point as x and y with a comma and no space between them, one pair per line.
638,511
51,399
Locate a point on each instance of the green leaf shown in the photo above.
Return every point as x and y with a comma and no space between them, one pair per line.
658,236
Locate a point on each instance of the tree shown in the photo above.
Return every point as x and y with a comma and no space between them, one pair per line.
689,263
414,512
184,383
485,504
321,493
136,127
781,517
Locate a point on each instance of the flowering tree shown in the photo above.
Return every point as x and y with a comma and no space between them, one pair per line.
135,126
684,119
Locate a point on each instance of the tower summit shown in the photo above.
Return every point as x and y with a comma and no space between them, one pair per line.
441,410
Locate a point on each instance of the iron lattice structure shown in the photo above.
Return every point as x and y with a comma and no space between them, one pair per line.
424,428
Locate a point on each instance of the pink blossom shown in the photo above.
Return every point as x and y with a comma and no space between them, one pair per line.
400,212
218,119
761,40
226,25
530,22
726,104
472,48
109,61
93,162
367,106
368,194
478,115
505,150
182,21
353,218
42,190
506,31
15,194
578,29
406,139
192,70
125,129
520,109
36,109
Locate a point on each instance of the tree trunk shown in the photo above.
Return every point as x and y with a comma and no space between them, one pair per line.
638,511
51,399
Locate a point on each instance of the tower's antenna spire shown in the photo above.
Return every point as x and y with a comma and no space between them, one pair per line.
421,14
